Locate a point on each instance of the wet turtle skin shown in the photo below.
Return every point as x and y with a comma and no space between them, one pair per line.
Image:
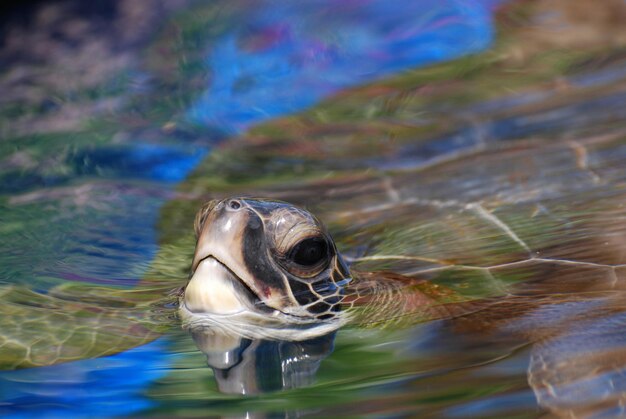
263,266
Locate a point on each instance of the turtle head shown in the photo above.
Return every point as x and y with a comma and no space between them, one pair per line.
266,257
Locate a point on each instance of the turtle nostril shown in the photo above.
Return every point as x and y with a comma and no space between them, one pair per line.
234,204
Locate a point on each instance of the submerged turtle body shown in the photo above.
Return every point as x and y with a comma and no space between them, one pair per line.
489,237
522,242
526,242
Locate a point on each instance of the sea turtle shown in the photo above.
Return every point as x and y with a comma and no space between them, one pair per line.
528,243
268,269
526,240
509,226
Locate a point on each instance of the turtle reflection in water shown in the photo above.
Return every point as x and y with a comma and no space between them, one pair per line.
268,269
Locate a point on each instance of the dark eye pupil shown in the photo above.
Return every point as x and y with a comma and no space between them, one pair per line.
309,252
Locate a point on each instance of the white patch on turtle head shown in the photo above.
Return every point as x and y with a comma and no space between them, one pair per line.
214,289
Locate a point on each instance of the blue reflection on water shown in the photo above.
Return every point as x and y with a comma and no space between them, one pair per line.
102,387
158,162
292,54
140,160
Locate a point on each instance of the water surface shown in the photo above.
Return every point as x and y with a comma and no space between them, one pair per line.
484,167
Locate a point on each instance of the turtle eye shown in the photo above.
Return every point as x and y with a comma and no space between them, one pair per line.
309,252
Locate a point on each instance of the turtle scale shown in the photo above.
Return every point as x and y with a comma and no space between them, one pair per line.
41,330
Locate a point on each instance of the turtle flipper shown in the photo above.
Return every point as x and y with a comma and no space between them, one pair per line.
384,299
43,329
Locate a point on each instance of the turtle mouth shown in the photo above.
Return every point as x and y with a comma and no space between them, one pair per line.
215,288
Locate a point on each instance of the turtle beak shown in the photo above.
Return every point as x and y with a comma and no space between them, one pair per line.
213,288
224,280
220,234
